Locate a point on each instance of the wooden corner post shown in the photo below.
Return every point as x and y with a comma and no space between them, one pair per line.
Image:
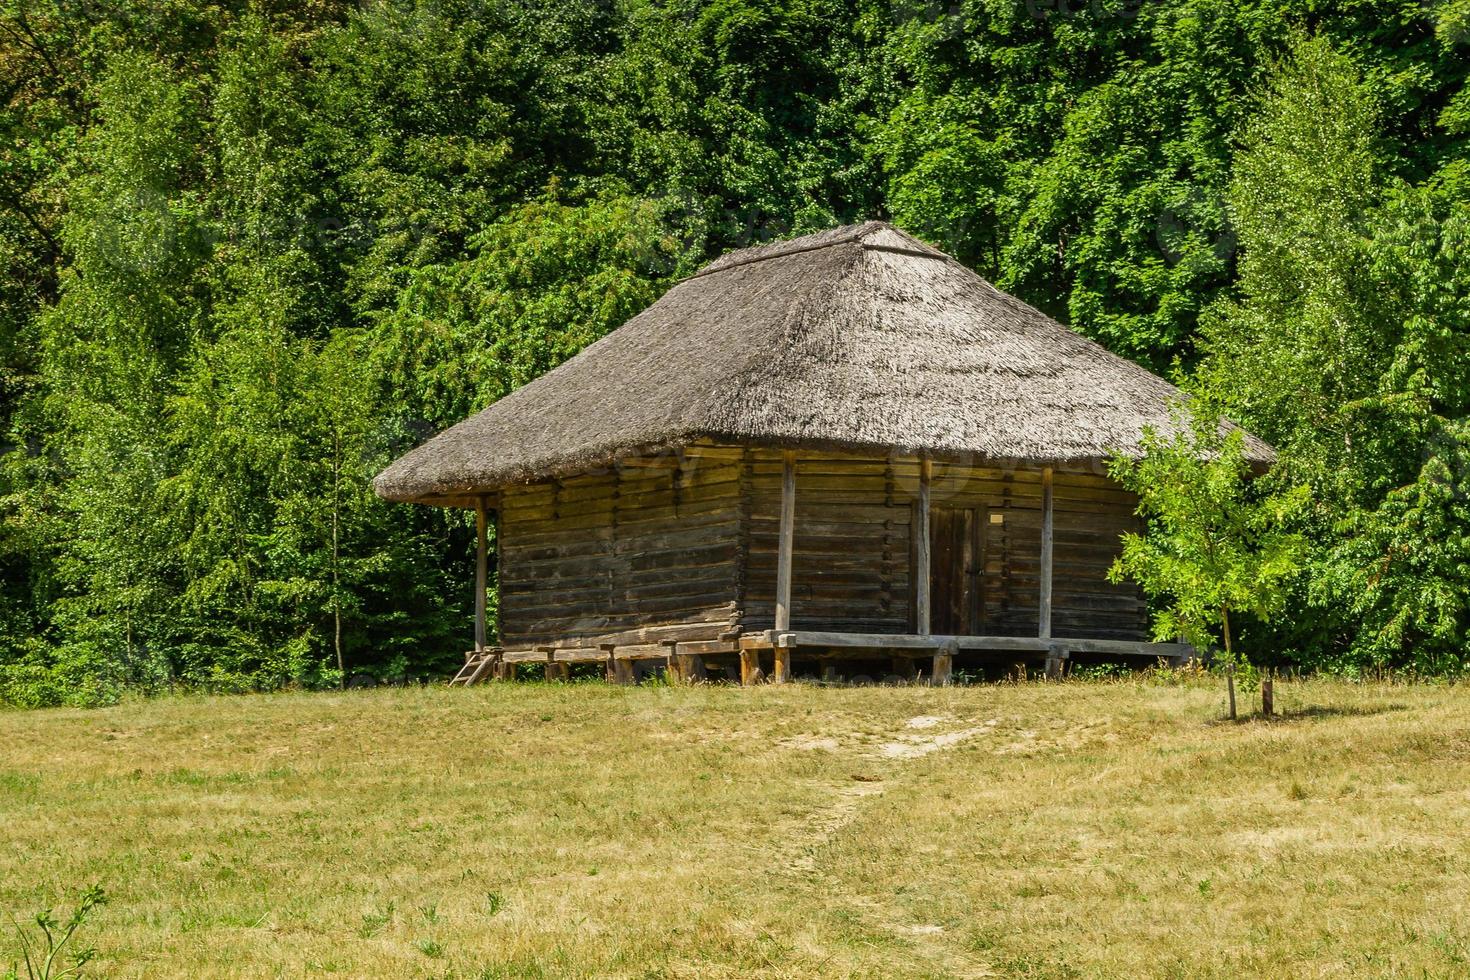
782,668
921,550
1044,606
788,539
482,571
1054,662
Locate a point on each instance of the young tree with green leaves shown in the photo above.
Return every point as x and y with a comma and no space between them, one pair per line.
1215,542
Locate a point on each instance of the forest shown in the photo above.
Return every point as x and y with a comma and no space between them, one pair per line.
252,251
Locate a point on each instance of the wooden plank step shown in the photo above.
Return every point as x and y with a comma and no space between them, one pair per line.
476,664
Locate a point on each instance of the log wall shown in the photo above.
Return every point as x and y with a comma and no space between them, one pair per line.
684,547
649,549
854,547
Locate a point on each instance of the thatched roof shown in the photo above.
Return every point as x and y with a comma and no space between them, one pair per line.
861,337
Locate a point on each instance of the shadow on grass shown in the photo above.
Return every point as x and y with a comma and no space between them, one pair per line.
1311,713
1335,711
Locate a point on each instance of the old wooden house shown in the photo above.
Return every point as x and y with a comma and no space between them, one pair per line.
843,453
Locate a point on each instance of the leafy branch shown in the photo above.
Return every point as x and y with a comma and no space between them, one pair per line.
44,957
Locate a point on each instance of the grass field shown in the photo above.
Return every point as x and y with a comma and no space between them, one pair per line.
1042,830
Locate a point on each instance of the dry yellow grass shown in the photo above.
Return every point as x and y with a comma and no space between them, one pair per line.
1040,831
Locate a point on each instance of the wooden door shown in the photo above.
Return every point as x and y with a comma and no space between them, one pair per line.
954,571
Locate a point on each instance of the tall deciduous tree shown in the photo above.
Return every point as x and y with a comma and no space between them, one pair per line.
1347,348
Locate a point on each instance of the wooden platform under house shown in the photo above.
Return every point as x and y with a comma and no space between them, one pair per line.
842,455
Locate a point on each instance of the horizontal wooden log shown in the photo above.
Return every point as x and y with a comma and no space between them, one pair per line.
524,656
657,633
579,655
876,641
643,651
706,647
1059,648
562,605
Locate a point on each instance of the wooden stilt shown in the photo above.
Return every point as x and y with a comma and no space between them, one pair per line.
558,672
921,550
750,667
1056,662
781,672
1044,617
943,666
620,671
690,668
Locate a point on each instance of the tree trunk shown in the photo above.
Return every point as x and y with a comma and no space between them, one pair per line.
1268,696
1229,661
336,563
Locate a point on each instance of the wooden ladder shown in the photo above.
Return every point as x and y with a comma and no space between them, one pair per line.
477,664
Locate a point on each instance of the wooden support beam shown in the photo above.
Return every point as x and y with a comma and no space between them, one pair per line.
750,667
781,671
482,571
871,641
787,541
688,668
1044,614
699,648
620,671
921,550
580,655
558,671
896,643
943,669
641,651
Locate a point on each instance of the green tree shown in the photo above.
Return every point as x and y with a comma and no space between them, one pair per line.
1214,543
1347,349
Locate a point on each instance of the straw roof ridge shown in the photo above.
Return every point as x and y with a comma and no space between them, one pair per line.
860,337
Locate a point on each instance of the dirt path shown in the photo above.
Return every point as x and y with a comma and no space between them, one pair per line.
874,771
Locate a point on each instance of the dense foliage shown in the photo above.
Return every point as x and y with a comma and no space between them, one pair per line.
249,251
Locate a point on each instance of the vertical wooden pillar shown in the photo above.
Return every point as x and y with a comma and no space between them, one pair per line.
1044,607
921,550
482,571
781,666
620,671
943,669
787,542
690,668
750,667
